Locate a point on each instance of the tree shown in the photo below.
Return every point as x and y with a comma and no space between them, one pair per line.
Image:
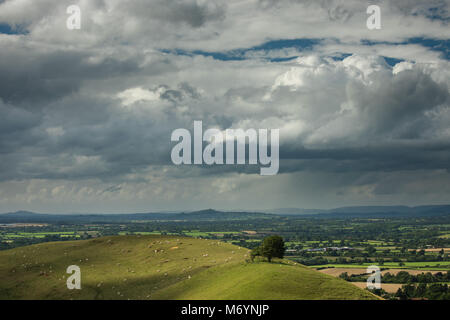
272,247
371,250
255,253
345,276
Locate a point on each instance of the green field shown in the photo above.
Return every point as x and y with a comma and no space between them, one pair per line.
160,267
38,235
429,265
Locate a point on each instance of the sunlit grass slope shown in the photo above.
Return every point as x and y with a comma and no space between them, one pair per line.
263,281
160,267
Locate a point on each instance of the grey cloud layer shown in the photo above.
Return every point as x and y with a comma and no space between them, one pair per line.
89,114
353,109
220,25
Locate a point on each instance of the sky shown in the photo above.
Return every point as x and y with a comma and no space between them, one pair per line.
86,115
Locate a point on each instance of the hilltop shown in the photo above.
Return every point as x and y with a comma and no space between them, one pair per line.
160,267
214,215
365,211
203,215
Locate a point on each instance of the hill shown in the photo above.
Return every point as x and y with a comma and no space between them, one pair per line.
203,215
213,215
160,267
365,211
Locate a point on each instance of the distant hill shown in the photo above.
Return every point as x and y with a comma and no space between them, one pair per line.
366,211
294,211
211,214
20,213
160,267
371,209
203,215
214,215
389,211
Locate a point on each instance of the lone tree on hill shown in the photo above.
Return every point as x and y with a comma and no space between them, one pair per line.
271,247
256,252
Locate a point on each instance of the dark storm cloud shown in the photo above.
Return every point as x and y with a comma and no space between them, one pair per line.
191,13
393,157
16,130
42,76
100,138
391,106
90,137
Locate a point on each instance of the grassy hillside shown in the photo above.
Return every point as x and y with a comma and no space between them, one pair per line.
159,267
